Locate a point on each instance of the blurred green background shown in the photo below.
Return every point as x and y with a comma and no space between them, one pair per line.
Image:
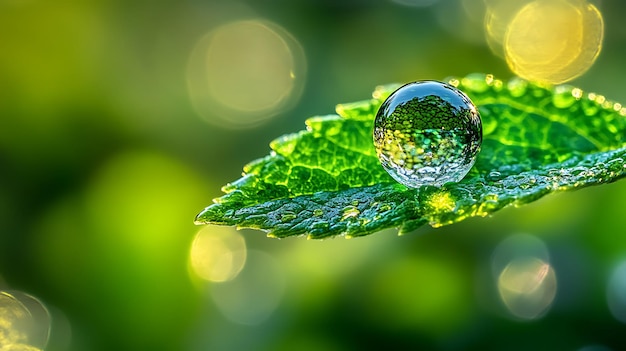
109,148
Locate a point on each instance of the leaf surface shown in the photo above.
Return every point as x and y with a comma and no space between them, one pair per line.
326,180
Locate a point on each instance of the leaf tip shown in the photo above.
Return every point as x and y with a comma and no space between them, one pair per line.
213,214
200,220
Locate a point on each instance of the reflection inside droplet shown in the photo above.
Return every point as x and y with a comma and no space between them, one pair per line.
217,253
427,133
24,322
245,72
253,296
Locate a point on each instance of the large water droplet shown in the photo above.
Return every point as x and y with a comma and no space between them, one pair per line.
427,133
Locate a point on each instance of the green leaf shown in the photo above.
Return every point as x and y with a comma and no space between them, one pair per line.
327,180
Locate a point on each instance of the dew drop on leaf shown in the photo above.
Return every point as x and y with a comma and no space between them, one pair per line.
427,133
564,96
517,87
288,216
350,212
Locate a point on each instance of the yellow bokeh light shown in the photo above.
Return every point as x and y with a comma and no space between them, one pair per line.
525,280
217,254
245,72
21,328
550,41
20,347
527,286
498,15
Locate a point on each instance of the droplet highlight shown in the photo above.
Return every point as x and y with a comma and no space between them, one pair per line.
350,212
217,254
427,133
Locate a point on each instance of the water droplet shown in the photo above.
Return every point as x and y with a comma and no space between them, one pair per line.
563,96
600,99
288,216
350,212
494,176
427,133
454,82
577,93
477,82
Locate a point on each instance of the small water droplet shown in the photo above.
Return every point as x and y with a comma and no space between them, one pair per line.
477,83
287,216
577,93
517,87
350,212
454,82
427,133
563,96
494,176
